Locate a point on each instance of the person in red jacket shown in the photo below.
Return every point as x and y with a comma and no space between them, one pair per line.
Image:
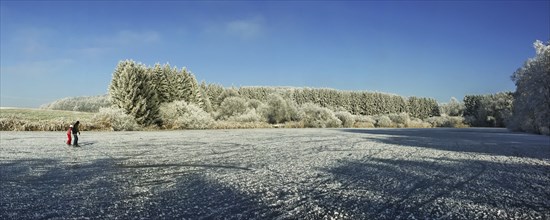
69,135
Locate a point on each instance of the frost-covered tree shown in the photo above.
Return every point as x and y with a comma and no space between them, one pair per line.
187,92
206,103
471,105
170,73
498,108
531,108
195,94
177,83
213,91
161,76
119,82
491,110
422,107
452,108
132,89
187,88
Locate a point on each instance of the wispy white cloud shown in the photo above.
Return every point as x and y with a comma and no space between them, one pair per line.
128,37
36,68
97,46
138,37
33,40
92,51
245,28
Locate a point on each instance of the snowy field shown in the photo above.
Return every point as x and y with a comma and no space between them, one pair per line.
277,174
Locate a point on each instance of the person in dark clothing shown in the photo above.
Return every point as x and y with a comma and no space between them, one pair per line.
75,132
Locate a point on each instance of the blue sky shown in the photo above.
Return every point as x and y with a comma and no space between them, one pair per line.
55,49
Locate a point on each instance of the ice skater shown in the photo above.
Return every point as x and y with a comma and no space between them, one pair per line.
76,132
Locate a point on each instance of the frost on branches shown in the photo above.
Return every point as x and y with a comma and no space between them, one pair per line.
531,110
140,90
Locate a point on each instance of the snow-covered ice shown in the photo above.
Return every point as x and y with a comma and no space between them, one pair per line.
277,174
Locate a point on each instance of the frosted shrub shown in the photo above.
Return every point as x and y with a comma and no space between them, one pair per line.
383,121
364,121
437,121
418,123
277,110
447,121
195,118
250,115
455,122
294,111
232,106
280,110
11,123
226,93
180,115
401,120
315,116
239,125
170,112
116,119
254,104
346,118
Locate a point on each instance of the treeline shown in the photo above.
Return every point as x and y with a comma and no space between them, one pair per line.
168,97
354,102
162,95
80,104
492,110
245,107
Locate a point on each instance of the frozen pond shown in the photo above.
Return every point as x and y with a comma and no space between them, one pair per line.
277,174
